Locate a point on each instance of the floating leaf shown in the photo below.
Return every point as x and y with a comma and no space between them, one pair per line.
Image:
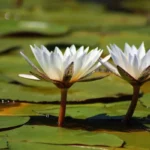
45,91
121,109
38,146
135,140
96,110
55,135
7,122
145,100
11,27
3,143
6,49
75,111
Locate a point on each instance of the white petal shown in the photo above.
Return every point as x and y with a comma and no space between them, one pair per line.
135,68
106,58
57,61
89,64
132,60
118,56
93,68
141,51
90,60
127,49
101,51
123,61
67,53
86,50
110,67
115,54
108,49
134,50
80,52
29,61
77,66
59,52
53,71
115,49
73,49
38,55
43,48
145,61
28,76
115,59
67,61
45,60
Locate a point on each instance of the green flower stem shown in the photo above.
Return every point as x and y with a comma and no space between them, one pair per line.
62,107
136,90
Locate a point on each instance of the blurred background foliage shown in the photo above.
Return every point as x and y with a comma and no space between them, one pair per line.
111,21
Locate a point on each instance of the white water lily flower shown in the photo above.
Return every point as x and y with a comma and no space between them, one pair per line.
64,69
133,64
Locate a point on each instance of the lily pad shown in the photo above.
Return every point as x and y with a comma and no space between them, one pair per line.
135,139
76,111
3,143
12,121
145,100
6,48
120,108
96,111
11,45
78,92
40,146
55,135
10,27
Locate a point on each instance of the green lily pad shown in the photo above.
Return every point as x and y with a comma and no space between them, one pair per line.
3,143
13,27
121,108
79,39
76,111
120,38
55,135
11,121
145,100
96,110
42,91
135,140
6,48
38,146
